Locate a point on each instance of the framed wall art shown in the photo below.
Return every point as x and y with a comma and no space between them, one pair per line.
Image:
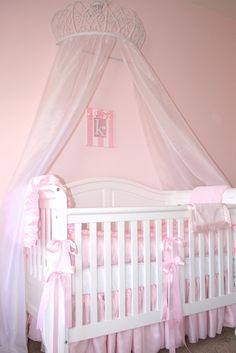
100,128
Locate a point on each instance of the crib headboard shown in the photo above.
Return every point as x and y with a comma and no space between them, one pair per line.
116,192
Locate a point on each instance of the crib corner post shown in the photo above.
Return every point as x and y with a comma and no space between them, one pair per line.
53,205
59,231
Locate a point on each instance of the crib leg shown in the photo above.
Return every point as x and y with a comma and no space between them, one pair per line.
66,347
67,342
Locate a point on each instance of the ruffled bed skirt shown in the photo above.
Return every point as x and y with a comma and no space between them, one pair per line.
151,338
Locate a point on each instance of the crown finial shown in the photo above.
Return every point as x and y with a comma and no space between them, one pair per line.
98,16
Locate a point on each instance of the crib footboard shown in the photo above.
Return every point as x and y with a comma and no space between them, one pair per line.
125,268
118,282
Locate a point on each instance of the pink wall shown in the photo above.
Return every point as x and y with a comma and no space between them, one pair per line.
192,49
129,158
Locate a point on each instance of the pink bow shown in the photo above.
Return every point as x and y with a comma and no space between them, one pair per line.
63,246
169,242
173,305
170,267
57,288
59,259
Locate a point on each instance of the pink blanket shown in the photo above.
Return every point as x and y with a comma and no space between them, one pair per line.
209,217
208,194
207,213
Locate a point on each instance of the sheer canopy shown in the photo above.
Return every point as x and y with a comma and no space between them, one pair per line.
180,160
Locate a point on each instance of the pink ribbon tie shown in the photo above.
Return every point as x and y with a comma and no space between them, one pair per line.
57,288
172,309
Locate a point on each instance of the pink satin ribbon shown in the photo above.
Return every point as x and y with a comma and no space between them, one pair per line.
172,311
169,241
58,278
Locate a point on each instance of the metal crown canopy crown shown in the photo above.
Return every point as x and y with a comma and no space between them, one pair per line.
98,16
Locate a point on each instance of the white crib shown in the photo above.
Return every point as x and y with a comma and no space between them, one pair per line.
111,215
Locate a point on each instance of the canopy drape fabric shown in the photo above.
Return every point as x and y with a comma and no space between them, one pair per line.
77,70
180,160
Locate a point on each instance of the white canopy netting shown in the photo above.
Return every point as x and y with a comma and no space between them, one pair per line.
180,160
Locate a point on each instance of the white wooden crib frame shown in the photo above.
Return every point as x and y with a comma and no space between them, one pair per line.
122,202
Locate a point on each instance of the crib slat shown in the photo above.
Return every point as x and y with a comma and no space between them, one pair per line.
202,269
93,271
169,230
48,225
192,270
134,267
211,265
234,273
34,260
39,258
146,238
31,261
47,234
41,247
180,234
158,253
43,240
229,261
121,262
78,276
233,232
107,265
220,264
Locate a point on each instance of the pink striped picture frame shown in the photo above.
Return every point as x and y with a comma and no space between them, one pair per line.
100,128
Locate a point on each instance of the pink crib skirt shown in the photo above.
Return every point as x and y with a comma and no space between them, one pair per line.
151,338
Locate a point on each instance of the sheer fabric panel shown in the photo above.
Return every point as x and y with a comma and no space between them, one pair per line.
77,70
181,161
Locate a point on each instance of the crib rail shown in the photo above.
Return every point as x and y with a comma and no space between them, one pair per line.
121,224
213,267
128,291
